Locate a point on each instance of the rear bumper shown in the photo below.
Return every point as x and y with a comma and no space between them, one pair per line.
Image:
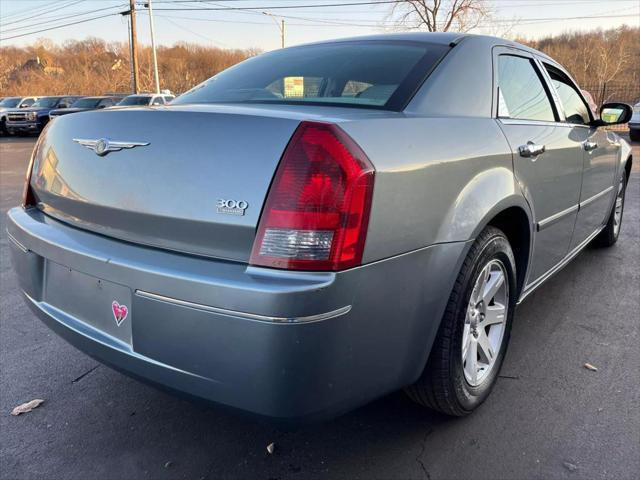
286,345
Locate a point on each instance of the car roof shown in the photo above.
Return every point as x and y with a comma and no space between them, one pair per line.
441,38
438,38
61,96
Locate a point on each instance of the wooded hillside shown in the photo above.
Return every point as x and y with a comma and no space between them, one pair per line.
93,66
597,57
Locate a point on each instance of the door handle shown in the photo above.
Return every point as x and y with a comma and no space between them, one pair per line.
589,146
531,150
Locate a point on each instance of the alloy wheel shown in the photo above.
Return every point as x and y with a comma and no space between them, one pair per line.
484,325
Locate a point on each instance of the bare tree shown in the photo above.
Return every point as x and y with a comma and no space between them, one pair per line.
441,15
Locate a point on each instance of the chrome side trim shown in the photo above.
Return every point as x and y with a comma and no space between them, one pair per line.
518,121
595,197
250,316
545,276
17,243
556,217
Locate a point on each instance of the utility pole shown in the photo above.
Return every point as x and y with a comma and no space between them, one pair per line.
134,45
280,26
153,47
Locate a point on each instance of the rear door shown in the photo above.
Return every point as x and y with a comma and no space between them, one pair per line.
547,155
598,157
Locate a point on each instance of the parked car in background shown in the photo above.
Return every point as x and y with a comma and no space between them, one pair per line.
10,103
321,225
34,118
145,99
84,104
634,124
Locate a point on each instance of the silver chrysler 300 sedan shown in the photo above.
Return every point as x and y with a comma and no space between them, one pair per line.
321,225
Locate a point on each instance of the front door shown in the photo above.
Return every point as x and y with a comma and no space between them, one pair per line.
547,156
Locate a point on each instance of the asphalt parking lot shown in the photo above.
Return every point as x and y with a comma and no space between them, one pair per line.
548,417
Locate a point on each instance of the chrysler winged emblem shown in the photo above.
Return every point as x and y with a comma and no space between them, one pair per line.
102,146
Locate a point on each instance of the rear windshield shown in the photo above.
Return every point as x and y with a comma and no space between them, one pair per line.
46,102
10,102
371,74
86,103
135,100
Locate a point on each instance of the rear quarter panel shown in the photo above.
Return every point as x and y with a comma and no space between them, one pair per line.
438,180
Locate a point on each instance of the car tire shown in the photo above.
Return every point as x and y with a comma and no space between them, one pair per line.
447,382
634,135
609,235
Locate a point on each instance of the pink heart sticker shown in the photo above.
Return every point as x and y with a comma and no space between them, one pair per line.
120,312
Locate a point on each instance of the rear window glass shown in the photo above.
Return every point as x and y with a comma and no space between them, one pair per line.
522,94
85,103
9,102
46,102
363,74
135,100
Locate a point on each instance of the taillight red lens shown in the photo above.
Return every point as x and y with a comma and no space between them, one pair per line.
317,210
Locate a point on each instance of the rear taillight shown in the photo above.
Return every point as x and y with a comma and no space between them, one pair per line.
317,210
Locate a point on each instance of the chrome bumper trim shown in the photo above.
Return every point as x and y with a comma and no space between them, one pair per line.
250,316
17,243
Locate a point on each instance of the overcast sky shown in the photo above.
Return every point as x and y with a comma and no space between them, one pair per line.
242,29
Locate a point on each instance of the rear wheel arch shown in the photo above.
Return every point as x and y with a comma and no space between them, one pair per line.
513,216
516,225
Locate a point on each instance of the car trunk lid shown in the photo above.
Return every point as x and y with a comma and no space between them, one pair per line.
197,187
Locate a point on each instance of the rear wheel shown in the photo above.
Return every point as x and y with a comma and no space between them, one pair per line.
609,235
472,339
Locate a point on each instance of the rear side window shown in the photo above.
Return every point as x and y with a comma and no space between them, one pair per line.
575,109
521,92
66,102
378,74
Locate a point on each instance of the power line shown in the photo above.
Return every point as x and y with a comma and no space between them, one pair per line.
254,10
281,7
43,13
182,27
61,17
327,22
29,10
61,26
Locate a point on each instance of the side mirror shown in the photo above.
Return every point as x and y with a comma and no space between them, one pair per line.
24,105
101,107
614,114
